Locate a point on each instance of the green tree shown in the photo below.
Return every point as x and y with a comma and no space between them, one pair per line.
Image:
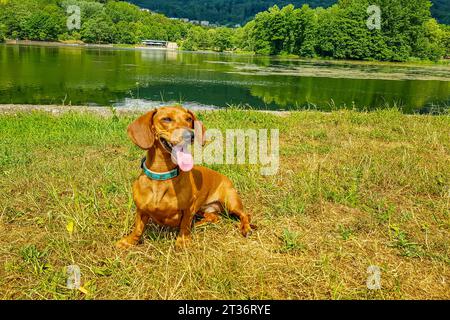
126,33
122,11
2,33
446,40
431,42
44,24
221,39
306,32
343,31
88,9
403,22
14,15
99,29
247,39
197,38
271,33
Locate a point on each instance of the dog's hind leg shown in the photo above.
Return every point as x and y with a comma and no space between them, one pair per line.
209,214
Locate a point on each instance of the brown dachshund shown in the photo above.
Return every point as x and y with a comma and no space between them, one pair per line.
179,195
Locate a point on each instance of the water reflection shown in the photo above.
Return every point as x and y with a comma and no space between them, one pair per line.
88,76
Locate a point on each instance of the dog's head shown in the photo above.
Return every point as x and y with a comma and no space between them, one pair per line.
169,128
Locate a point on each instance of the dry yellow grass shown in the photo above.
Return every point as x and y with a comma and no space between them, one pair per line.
354,190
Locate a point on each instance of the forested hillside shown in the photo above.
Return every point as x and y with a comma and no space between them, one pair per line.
241,11
441,10
223,12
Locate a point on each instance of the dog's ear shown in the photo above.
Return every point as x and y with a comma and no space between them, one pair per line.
140,131
199,128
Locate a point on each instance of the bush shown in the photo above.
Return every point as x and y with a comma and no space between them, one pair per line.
2,33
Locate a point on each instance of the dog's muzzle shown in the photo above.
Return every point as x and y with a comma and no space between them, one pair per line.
188,137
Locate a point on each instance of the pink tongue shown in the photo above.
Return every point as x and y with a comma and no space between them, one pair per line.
184,158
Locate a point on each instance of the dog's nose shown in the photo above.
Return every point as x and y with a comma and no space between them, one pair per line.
188,136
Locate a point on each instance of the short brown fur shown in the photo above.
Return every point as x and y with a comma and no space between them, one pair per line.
175,202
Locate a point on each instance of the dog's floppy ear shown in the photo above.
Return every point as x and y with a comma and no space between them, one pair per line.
140,131
199,127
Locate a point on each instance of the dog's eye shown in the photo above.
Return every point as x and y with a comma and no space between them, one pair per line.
189,119
167,119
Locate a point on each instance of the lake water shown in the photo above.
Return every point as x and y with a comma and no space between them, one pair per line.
127,78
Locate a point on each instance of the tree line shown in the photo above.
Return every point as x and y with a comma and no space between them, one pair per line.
407,30
101,22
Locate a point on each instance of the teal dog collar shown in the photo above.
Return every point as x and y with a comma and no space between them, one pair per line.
160,176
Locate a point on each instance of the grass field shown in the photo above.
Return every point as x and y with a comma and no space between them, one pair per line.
353,190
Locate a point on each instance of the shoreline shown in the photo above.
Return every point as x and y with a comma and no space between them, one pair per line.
117,46
81,45
106,111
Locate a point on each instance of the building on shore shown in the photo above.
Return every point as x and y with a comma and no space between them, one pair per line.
160,44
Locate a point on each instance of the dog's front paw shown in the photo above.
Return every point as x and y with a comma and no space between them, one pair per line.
182,242
125,243
246,229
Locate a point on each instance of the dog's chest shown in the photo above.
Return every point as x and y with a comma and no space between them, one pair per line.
166,200
161,197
